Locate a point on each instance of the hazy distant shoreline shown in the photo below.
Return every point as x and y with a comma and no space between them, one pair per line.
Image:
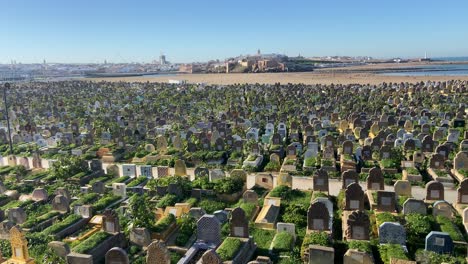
364,74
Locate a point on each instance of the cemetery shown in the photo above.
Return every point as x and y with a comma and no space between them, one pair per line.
121,172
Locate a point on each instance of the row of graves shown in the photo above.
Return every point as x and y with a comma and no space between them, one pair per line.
135,173
85,223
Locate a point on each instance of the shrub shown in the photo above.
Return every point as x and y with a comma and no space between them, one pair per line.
283,241
168,200
120,179
164,223
228,185
211,206
385,217
392,251
187,226
91,242
272,166
316,238
362,246
228,249
202,182
429,257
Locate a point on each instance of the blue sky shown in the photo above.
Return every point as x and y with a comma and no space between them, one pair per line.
197,30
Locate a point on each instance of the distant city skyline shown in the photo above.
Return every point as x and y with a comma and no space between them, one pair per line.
138,31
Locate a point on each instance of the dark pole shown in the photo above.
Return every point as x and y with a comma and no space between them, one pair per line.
7,86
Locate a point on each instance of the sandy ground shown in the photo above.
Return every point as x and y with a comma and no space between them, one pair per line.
284,78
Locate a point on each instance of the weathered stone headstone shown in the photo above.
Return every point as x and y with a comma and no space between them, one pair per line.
157,253
354,197
209,230
414,206
358,226
375,180
239,223
60,203
117,255
392,233
318,217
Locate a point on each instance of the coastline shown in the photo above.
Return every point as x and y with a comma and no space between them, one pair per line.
362,74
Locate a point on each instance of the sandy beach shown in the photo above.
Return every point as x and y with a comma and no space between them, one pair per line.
271,78
364,74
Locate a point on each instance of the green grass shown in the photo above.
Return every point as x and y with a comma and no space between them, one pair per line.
362,246
229,248
389,251
137,181
105,201
263,239
59,226
283,242
385,217
447,226
164,223
91,242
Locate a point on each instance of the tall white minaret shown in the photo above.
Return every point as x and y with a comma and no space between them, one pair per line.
425,55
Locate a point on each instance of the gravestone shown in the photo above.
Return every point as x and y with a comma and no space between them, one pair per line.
98,187
201,171
17,215
209,230
318,217
210,257
119,189
113,170
358,226
439,242
39,194
462,191
414,206
180,168
347,147
250,196
129,170
320,180
321,255
239,224
110,222
60,248
222,216
437,161
392,233
348,177
402,188
442,208
216,174
117,255
286,227
163,171
157,253
357,257
434,191
354,197
375,180
386,201
147,171
85,211
60,204
197,212
140,236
